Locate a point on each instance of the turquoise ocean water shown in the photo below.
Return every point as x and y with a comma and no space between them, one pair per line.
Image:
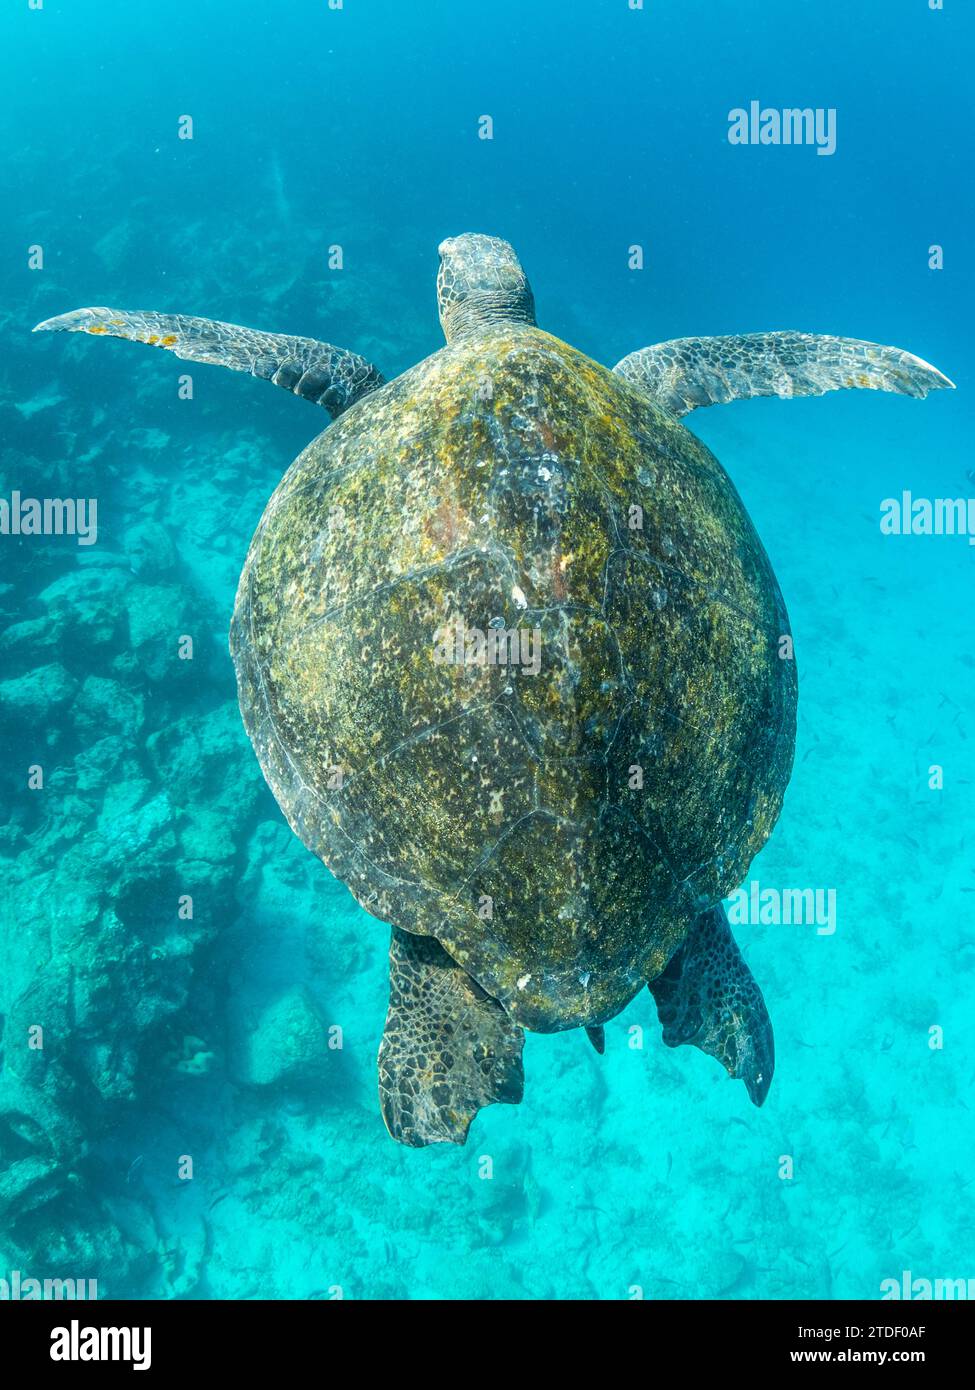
167,1040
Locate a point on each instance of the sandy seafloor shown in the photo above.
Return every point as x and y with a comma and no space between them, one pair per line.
644,1169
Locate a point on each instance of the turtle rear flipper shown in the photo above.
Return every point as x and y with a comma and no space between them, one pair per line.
328,376
707,996
448,1050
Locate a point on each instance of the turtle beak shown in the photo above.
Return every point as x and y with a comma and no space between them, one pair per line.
445,247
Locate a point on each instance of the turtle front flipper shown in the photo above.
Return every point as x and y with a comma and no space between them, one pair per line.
448,1050
707,996
686,373
329,376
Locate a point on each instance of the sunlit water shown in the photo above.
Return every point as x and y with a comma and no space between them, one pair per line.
645,1169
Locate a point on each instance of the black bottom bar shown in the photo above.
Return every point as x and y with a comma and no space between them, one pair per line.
171,1338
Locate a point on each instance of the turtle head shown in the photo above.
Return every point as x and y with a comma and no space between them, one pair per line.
481,283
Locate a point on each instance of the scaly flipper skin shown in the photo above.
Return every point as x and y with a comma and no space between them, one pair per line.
318,372
707,996
687,373
597,1036
448,1050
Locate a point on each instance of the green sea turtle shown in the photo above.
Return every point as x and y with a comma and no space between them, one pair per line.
516,667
